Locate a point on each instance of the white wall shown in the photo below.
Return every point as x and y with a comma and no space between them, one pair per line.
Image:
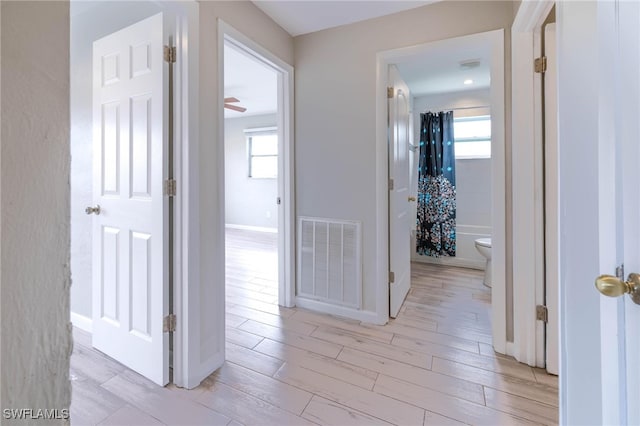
336,110
248,201
473,182
34,292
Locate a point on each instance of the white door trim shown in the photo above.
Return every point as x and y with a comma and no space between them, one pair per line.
286,184
528,212
498,184
185,137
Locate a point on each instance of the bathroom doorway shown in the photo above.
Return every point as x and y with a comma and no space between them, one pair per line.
467,80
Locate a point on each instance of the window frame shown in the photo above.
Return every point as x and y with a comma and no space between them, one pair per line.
249,135
456,140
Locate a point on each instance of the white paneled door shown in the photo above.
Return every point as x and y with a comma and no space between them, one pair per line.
399,194
619,232
130,229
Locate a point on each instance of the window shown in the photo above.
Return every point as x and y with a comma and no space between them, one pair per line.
472,136
262,145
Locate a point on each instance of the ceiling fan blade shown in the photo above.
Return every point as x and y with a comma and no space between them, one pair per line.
235,108
231,100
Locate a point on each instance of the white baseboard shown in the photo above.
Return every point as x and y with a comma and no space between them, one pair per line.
82,322
252,228
449,261
342,311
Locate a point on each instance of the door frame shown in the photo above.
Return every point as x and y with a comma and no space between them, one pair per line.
528,200
185,138
498,180
286,154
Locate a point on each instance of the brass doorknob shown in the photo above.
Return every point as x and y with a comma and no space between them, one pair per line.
614,287
412,198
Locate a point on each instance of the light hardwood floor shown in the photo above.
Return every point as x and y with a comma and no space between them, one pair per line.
433,365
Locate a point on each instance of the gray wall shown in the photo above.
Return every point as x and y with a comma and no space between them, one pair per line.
34,290
473,181
336,109
248,202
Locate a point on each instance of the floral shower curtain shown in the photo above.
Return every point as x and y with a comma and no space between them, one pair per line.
436,225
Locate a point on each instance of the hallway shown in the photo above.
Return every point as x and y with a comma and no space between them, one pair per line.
433,365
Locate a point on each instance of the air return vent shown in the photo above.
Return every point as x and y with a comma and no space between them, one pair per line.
329,261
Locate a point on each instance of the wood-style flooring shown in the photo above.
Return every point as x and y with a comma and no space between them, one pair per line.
433,365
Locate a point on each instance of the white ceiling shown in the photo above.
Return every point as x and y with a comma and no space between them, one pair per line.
438,69
253,83
307,16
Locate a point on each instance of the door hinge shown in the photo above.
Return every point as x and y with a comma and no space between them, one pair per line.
392,277
279,201
170,187
169,323
540,64
390,92
391,184
169,54
542,314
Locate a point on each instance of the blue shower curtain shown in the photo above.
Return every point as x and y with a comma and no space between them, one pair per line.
436,224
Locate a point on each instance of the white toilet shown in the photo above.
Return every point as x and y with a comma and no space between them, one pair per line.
483,245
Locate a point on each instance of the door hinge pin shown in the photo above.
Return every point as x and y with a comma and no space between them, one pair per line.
170,187
392,277
542,313
169,323
390,92
169,54
540,64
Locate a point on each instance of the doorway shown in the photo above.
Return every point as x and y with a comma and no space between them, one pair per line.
251,147
256,89
484,103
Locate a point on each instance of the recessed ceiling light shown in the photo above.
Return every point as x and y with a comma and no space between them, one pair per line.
468,81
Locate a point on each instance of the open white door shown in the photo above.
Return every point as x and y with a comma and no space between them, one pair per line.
552,245
399,225
620,211
130,229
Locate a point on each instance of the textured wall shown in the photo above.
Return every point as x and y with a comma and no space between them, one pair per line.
34,292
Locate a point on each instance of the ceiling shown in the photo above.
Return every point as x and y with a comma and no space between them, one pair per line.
253,83
307,16
438,69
